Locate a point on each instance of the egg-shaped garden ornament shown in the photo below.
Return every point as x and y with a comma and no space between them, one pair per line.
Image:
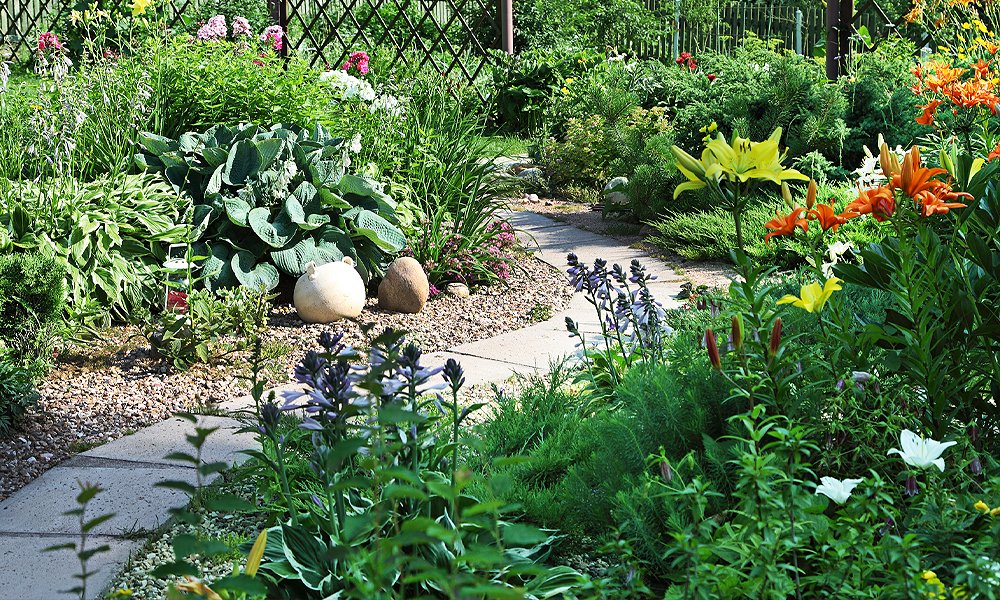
329,292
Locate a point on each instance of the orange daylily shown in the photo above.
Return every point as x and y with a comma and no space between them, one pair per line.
828,217
990,47
930,109
982,69
880,203
785,225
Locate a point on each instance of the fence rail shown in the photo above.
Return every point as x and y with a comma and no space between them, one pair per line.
454,36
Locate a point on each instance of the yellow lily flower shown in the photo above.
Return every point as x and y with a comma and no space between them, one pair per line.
742,160
140,6
812,297
982,506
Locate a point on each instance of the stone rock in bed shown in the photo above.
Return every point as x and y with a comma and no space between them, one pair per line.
405,287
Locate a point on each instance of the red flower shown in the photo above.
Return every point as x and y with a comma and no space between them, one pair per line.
711,76
177,301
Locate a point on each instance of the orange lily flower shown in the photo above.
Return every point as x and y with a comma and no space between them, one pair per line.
880,203
828,218
971,93
935,203
930,109
942,74
994,154
982,69
990,47
914,179
785,225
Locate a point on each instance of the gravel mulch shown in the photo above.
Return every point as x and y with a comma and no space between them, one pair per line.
104,390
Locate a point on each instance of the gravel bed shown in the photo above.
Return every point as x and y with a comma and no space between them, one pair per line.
101,391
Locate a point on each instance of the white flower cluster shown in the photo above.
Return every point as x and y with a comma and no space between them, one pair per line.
4,76
347,87
388,104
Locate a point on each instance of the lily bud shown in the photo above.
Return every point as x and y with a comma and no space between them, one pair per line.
786,195
911,489
736,334
888,161
713,349
811,194
666,472
976,467
775,337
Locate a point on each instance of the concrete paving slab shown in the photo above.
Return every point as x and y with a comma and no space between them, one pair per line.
128,491
480,370
244,403
526,220
534,346
44,575
153,443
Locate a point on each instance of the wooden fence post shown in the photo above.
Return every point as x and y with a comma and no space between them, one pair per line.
507,26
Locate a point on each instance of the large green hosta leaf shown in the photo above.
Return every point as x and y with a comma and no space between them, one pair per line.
276,233
252,274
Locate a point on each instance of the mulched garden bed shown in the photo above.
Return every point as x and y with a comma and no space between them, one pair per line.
112,387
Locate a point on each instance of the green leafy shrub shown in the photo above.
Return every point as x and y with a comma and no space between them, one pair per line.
17,395
755,90
230,86
108,234
209,325
273,200
32,296
525,84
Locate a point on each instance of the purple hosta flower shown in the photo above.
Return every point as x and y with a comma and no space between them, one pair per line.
412,372
214,30
453,374
270,416
638,273
578,272
241,27
275,36
910,488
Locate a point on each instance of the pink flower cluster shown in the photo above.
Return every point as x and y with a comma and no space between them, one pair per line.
274,34
241,27
215,30
357,60
49,41
463,264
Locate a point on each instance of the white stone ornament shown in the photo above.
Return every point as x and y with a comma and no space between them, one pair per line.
329,292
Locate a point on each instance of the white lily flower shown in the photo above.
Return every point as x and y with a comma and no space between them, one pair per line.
921,452
836,489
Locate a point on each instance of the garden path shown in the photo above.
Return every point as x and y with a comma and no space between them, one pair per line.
128,468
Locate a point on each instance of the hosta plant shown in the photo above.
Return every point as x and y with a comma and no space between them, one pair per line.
270,200
108,234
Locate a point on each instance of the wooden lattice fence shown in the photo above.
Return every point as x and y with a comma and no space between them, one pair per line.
455,37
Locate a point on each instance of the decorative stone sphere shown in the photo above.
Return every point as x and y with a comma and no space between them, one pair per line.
329,292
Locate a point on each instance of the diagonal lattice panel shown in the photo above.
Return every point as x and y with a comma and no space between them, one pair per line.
451,36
